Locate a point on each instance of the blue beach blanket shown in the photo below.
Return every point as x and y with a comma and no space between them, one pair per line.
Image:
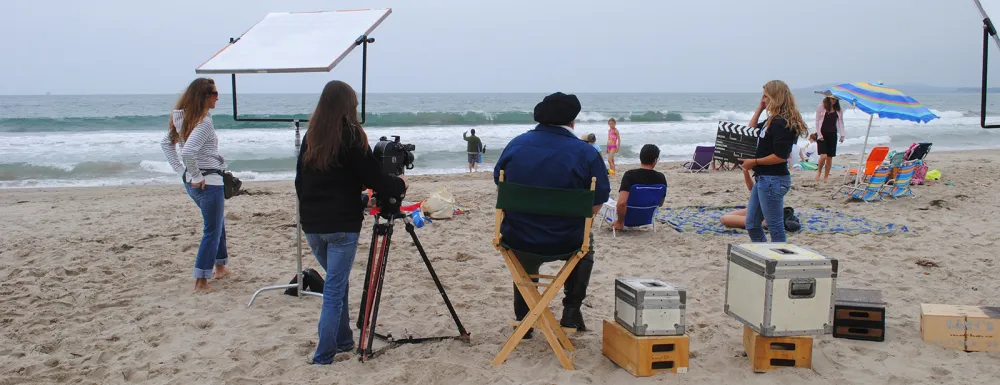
816,220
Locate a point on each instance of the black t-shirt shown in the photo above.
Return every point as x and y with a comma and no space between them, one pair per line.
330,202
641,176
778,139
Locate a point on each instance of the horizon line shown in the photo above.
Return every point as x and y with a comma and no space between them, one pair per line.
951,90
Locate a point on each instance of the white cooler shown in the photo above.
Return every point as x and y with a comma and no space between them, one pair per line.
649,306
780,289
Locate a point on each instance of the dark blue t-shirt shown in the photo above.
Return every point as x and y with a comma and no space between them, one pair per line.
552,157
777,139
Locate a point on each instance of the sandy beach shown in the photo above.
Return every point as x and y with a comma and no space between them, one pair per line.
96,288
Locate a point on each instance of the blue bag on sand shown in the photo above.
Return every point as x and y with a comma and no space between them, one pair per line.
418,218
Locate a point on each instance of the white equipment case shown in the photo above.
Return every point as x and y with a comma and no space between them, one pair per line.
649,306
780,289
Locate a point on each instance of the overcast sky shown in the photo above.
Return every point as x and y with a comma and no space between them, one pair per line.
133,46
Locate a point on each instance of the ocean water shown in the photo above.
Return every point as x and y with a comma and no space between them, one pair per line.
109,140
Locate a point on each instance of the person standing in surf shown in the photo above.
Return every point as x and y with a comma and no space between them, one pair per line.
614,143
191,127
829,123
473,146
770,167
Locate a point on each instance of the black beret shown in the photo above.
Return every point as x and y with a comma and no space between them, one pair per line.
557,109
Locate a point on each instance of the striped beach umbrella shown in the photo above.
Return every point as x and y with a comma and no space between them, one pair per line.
877,99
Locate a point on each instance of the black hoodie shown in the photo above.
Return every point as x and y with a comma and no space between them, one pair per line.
330,201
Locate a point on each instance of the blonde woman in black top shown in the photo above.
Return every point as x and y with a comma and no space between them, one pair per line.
769,165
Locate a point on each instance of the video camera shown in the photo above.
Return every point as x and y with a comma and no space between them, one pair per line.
394,156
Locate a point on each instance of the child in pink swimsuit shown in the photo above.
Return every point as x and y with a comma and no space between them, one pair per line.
614,142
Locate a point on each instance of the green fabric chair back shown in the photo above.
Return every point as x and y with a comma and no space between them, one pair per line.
546,201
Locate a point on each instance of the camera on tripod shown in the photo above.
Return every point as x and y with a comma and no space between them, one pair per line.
394,156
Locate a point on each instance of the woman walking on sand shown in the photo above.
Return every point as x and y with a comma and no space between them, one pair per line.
770,167
614,143
829,123
191,127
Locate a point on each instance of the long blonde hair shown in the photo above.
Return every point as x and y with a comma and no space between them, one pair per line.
194,102
782,104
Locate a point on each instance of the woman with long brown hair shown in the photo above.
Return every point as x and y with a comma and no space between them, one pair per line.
201,168
335,161
829,123
770,167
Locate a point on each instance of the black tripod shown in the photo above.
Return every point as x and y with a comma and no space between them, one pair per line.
378,256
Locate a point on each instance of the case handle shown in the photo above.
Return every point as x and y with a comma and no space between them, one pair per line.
802,288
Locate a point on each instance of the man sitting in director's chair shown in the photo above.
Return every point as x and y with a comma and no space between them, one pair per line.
552,156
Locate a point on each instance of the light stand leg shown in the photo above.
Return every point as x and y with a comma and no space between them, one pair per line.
298,242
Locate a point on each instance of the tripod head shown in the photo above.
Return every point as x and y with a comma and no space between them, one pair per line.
389,207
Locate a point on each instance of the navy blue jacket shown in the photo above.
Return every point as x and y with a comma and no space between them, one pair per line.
553,157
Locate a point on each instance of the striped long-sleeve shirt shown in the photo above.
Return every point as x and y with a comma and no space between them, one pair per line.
199,152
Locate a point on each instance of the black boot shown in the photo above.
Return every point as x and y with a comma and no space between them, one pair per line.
576,291
791,221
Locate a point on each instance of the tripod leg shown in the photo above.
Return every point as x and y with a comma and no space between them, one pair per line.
365,320
376,288
437,282
372,250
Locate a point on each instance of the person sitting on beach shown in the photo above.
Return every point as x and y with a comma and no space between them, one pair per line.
810,153
738,219
551,156
804,156
591,139
649,155
473,147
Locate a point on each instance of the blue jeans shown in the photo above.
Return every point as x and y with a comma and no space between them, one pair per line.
767,202
212,250
335,252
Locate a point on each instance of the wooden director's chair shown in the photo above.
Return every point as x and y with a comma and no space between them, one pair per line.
548,201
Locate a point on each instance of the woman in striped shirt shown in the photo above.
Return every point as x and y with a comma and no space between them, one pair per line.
201,166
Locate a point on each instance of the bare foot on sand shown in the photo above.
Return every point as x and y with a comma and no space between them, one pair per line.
201,285
221,272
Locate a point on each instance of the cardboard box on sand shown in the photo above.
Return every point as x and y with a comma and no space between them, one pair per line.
968,328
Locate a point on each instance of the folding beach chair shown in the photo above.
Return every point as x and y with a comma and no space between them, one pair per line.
545,201
872,189
643,199
875,158
918,151
701,160
900,185
896,159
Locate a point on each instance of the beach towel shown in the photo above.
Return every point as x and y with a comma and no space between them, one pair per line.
816,220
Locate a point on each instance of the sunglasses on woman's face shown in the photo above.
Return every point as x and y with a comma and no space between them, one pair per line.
213,93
